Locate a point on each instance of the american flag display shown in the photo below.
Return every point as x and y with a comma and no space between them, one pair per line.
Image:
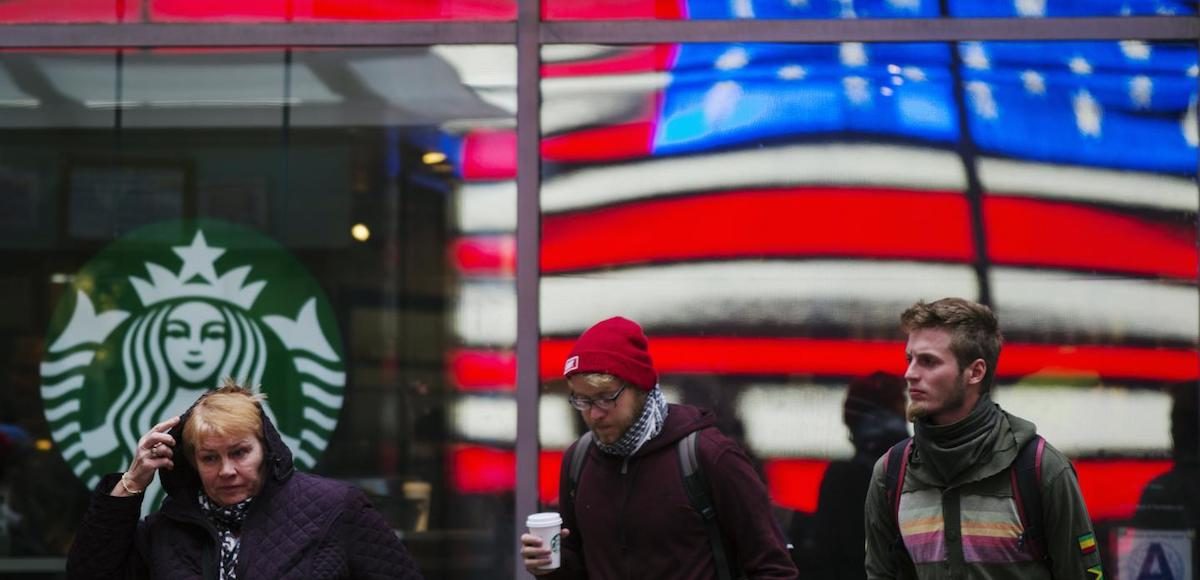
844,9
115,11
766,211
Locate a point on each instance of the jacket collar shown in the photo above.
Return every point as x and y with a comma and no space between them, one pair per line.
1015,433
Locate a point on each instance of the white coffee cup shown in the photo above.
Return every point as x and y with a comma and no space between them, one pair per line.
548,527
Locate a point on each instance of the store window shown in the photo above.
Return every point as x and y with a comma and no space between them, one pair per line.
146,11
766,211
299,204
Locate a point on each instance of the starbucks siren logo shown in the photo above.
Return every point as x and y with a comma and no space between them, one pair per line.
160,316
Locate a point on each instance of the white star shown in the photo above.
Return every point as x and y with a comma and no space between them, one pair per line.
981,99
886,91
1088,114
198,259
1188,126
1135,49
1080,66
1034,82
792,72
1141,88
914,74
857,90
1031,8
852,54
798,3
733,59
720,102
905,4
1193,71
848,10
743,9
897,81
893,69
974,56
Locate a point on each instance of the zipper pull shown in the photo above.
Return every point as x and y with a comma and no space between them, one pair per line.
625,466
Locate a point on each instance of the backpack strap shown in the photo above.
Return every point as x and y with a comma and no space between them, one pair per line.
895,466
1026,476
575,462
697,490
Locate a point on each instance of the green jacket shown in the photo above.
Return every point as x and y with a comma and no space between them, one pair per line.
969,528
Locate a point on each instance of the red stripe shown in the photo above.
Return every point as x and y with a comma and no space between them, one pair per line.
1111,488
479,469
612,9
1046,233
489,155
875,223
485,255
642,59
74,11
330,10
472,369
608,143
795,483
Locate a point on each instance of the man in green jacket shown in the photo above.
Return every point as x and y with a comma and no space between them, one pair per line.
957,517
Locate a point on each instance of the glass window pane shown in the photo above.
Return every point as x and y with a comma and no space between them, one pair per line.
766,211
836,9
117,11
300,194
69,11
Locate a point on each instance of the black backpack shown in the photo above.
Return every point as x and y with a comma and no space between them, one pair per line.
1025,474
693,481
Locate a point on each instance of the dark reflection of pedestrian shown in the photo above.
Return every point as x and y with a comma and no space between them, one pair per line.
874,414
1171,501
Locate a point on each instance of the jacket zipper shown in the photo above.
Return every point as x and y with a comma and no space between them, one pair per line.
624,510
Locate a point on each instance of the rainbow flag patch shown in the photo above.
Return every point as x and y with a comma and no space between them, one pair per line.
1096,572
1087,544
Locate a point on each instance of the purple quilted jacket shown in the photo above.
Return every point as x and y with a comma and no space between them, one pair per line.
299,526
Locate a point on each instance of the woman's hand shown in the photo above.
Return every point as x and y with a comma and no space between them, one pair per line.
155,450
535,554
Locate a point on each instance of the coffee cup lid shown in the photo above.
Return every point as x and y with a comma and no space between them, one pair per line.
543,520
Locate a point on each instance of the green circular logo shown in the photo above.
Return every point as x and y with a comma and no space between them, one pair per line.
161,315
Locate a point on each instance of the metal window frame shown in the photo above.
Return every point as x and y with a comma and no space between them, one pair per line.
529,33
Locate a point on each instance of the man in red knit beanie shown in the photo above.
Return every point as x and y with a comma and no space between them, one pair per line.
630,515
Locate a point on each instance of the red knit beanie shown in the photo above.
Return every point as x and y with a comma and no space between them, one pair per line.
617,347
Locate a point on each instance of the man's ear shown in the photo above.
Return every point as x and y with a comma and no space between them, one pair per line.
976,371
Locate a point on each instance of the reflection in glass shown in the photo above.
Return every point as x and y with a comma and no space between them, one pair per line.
766,211
123,11
304,147
850,9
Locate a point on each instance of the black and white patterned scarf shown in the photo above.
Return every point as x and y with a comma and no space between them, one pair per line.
649,424
228,521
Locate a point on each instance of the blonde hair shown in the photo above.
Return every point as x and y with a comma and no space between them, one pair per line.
230,410
599,380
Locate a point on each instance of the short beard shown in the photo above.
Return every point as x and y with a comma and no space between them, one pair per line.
956,398
915,411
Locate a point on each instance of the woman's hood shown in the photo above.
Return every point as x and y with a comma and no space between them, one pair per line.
184,479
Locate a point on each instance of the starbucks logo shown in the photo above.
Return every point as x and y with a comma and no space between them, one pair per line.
161,315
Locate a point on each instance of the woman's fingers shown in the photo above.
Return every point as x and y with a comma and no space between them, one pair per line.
155,450
157,441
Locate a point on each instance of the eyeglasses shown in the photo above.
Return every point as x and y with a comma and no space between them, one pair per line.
603,403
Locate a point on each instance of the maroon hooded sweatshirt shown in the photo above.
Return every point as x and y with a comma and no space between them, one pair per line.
633,519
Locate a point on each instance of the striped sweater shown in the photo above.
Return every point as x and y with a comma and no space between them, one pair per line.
971,529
